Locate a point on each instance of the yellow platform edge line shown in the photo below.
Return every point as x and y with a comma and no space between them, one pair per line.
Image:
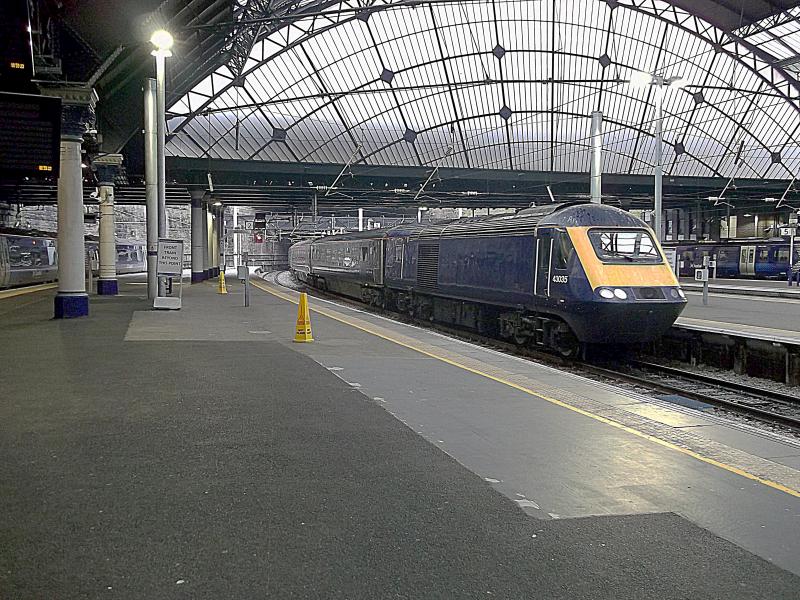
773,484
27,290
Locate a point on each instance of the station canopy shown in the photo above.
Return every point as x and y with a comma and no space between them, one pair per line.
507,84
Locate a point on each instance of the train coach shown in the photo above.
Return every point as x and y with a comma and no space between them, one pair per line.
30,257
558,276
747,259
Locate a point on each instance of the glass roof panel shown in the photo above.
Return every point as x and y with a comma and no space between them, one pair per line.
511,84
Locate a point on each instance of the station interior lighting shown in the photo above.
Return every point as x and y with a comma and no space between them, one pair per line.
162,40
217,203
641,79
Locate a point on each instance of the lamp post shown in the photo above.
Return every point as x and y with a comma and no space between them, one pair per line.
162,40
641,79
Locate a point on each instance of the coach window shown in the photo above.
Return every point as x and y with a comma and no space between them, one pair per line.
562,250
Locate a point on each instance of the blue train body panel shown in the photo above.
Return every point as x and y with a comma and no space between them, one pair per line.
495,269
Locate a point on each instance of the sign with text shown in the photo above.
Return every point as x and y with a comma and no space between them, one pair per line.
671,255
170,257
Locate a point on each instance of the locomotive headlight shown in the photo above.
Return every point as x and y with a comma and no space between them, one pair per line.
606,293
674,293
681,294
620,294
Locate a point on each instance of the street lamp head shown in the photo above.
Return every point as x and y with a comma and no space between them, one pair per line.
641,79
162,40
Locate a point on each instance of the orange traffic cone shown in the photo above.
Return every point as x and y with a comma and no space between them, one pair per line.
303,330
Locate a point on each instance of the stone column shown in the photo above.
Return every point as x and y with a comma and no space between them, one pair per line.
107,168
198,230
77,112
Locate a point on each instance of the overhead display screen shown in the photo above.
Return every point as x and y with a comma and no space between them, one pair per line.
16,56
30,130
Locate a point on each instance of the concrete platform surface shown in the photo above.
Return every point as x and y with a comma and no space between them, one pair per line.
781,314
201,454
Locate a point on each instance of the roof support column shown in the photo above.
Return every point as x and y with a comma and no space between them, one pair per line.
221,239
208,242
597,156
151,184
107,168
77,111
198,230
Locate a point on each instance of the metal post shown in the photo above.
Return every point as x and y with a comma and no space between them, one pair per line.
361,219
705,281
151,183
597,156
314,206
221,238
198,230
659,85
161,60
235,237
791,257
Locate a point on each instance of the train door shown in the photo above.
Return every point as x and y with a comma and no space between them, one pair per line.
747,261
544,262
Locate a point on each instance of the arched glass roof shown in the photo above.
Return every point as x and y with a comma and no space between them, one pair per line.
505,84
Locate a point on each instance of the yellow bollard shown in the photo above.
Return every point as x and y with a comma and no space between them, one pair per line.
221,289
303,330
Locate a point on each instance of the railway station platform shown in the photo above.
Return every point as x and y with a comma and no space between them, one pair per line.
765,310
202,454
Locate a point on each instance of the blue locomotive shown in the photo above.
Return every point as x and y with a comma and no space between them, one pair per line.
556,276
754,259
29,257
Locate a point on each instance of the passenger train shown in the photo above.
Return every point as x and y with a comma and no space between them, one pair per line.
755,259
28,257
557,276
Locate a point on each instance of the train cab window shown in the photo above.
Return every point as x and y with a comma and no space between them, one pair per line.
562,250
622,246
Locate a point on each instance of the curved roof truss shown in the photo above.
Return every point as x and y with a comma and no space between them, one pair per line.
501,84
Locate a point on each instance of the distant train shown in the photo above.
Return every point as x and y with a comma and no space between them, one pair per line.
756,259
31,257
556,276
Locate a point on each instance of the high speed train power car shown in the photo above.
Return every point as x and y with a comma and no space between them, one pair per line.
557,276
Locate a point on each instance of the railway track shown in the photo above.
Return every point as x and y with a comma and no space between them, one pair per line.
763,404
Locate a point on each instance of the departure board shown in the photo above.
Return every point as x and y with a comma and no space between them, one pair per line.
30,130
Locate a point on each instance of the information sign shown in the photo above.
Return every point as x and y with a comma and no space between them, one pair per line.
786,231
672,258
170,257
248,224
701,274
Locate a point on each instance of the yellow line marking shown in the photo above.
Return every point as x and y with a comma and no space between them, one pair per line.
27,290
511,384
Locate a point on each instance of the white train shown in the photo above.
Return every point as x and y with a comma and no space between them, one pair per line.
28,257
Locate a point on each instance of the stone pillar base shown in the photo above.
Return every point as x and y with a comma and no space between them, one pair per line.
198,277
107,287
72,306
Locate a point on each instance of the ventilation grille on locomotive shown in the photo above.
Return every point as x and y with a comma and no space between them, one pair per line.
428,266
